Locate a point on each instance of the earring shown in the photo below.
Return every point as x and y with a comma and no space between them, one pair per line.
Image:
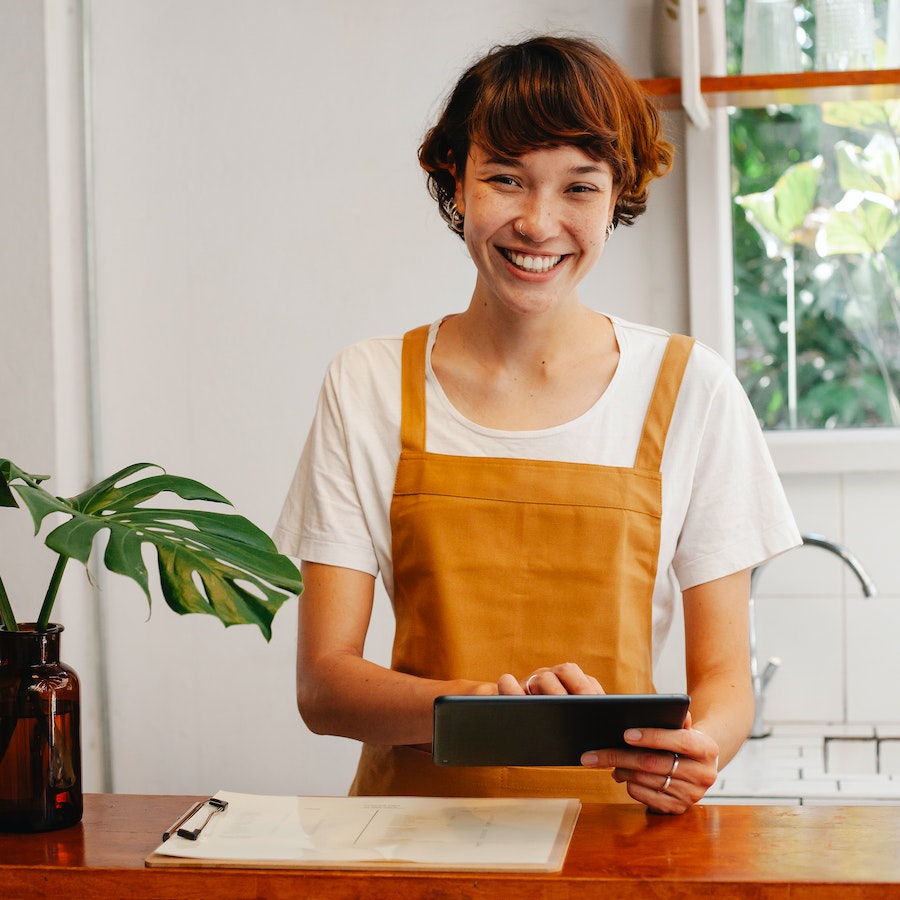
610,229
456,217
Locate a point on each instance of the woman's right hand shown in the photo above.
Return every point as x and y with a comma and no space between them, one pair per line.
566,678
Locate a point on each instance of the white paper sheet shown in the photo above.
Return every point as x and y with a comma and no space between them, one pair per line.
418,832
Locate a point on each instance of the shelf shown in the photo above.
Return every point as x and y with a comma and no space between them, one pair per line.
795,88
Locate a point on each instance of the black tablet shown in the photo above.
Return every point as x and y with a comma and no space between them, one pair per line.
544,730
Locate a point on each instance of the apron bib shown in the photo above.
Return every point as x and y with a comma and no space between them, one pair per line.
507,565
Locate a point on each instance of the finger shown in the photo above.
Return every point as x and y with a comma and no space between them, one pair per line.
656,764
508,684
686,743
670,801
575,680
663,794
545,682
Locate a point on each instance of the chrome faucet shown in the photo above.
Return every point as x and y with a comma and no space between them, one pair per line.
761,680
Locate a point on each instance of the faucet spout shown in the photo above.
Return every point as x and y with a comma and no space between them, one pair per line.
816,540
761,680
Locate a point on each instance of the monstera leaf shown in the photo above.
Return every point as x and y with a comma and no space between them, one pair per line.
209,562
863,222
884,117
874,168
779,213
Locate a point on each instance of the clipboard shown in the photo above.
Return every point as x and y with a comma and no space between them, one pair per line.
481,834
544,730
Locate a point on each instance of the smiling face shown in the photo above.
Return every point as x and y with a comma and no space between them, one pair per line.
535,225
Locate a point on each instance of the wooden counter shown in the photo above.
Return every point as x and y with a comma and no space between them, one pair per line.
820,852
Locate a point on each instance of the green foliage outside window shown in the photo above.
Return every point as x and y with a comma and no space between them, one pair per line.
816,223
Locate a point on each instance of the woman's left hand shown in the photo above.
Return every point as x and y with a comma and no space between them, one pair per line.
667,770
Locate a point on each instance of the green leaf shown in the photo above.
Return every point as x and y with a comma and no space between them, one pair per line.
9,473
883,117
6,496
779,213
860,223
875,168
243,577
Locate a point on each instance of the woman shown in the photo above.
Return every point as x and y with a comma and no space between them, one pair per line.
529,475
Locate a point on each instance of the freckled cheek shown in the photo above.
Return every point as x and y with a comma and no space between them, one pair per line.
590,240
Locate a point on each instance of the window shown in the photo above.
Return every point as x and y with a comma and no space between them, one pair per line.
816,252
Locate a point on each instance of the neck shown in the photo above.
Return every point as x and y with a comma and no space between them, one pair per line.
532,342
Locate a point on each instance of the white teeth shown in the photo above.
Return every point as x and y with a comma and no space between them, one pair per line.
532,263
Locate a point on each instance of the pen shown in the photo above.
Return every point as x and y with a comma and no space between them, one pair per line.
192,834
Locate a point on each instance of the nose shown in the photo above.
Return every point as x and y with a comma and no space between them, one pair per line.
538,219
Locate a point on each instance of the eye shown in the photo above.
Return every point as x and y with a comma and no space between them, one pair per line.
583,189
506,180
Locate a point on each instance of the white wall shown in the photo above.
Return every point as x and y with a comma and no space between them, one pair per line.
45,412
257,205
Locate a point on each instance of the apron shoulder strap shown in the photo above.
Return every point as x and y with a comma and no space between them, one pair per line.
662,403
412,410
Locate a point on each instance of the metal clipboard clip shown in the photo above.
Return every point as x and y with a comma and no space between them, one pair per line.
215,806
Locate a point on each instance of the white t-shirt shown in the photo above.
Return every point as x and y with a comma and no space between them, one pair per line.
724,508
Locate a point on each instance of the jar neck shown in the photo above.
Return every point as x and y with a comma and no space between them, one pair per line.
29,647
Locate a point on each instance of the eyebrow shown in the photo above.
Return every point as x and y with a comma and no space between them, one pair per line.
514,162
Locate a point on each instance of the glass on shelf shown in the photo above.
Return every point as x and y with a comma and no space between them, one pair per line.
770,38
845,35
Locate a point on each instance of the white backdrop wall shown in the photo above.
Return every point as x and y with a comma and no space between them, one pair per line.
255,205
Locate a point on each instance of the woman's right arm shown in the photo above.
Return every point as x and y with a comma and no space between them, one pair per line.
338,691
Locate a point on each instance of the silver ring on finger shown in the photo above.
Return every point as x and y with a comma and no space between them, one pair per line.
529,680
674,766
666,783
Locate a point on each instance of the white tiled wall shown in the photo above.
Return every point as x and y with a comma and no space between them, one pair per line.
838,650
844,637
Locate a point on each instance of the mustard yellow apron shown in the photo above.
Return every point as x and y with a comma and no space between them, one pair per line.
506,565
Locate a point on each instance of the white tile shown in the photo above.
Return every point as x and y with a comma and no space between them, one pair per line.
875,788
761,769
847,730
855,756
801,730
772,747
787,768
816,501
773,787
889,757
872,527
807,634
873,663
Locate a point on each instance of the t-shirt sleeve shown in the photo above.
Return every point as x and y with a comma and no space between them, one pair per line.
322,519
738,515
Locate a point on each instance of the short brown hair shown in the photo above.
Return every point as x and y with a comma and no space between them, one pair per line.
549,92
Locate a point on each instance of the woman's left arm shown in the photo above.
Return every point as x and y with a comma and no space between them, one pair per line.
718,680
717,659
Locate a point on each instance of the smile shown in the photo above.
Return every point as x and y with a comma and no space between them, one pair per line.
531,263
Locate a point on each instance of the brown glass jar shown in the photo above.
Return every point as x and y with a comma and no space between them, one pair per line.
40,732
